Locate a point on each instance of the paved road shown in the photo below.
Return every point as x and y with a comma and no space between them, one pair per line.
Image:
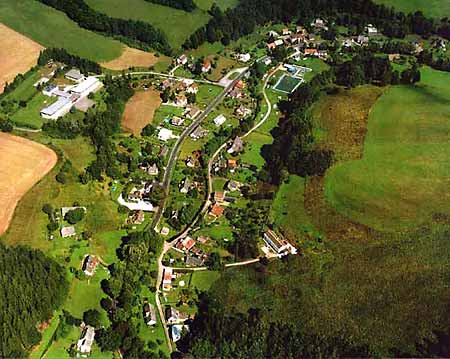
166,184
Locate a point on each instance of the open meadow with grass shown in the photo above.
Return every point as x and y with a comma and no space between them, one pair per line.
402,179
434,8
52,28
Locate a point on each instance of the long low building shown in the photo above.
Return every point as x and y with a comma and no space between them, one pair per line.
58,109
91,84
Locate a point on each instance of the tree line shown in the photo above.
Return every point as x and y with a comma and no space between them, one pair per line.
61,55
248,14
186,5
137,32
32,286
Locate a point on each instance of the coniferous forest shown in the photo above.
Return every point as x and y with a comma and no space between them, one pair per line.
32,286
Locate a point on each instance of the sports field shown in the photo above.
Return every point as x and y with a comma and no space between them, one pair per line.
435,8
139,110
22,164
178,25
403,178
51,28
17,53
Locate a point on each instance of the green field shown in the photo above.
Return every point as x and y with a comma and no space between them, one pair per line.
403,178
435,8
176,24
52,28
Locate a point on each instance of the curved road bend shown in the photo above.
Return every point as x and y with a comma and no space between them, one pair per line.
166,185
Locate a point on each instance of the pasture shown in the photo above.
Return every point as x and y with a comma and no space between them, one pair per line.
17,53
434,8
140,110
23,163
52,28
178,25
403,177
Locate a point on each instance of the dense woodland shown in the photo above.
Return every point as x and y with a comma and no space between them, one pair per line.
138,32
186,5
32,286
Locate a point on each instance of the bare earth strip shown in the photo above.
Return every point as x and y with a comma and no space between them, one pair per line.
22,164
131,57
17,54
139,110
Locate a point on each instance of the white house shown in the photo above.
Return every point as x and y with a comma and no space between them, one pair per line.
220,120
165,134
84,345
182,60
371,30
244,57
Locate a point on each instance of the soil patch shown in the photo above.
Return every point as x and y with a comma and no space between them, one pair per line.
140,110
131,58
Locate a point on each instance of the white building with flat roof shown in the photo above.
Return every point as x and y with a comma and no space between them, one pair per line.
84,88
84,345
220,120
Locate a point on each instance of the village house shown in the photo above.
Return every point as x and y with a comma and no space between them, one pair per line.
271,46
165,231
371,30
74,75
206,66
136,217
153,170
244,57
286,31
84,344
177,121
219,197
165,134
216,211
185,244
181,100
394,57
319,24
68,232
278,244
191,111
193,88
167,279
89,265
272,33
236,93
149,314
233,185
135,195
362,40
237,146
190,162
278,42
219,120
182,60
203,239
199,133
185,185
243,111
171,314
310,52
167,84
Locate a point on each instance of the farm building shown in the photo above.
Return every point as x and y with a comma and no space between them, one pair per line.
84,88
90,263
74,75
277,244
58,109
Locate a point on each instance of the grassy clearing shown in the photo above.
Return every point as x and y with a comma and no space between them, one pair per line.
252,153
178,25
223,4
204,280
30,116
435,8
51,28
403,178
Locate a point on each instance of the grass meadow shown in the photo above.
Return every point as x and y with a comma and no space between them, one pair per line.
403,178
434,8
52,28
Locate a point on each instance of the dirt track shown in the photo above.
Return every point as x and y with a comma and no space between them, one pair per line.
22,164
17,54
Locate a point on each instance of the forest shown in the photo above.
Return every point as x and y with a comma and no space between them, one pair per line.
186,5
243,19
137,32
84,65
32,286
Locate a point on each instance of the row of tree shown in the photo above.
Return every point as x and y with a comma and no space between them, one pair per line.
186,5
32,286
61,55
138,32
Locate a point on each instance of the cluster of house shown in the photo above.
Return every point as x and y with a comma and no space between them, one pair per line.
180,89
206,64
194,256
139,198
68,231
277,243
71,95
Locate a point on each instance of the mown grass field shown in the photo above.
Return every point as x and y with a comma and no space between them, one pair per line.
435,8
403,178
52,28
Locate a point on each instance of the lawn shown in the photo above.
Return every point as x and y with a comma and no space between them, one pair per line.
25,90
30,116
403,178
435,8
288,210
204,280
178,25
252,152
51,28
